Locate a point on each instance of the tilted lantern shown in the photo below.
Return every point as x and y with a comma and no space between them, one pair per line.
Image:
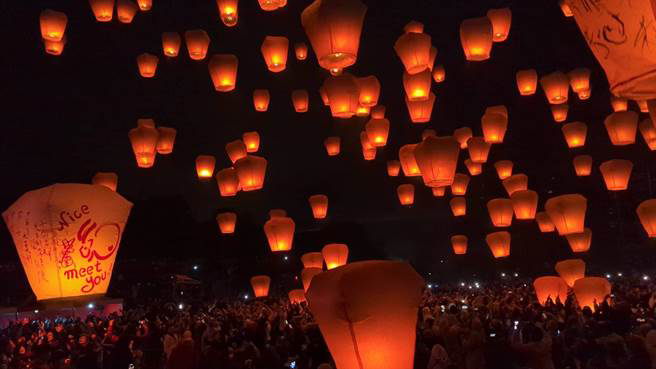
378,111
377,131
643,106
478,149
544,222
476,36
501,20
335,255
570,270
647,214
462,135
559,112
260,284
408,160
251,141
369,90
332,145
420,111
501,212
458,206
236,150
205,166
54,47
417,86
228,11
261,100
226,222
197,43
406,193
414,51
567,212
591,291
126,10
494,127
439,74
147,64
555,87
103,10
343,95
438,191
274,51
525,204
308,273
499,244
251,171
575,133
393,168
549,287
622,127
514,183
312,260
582,165
619,103
616,174
437,159
504,168
144,142
579,79
473,168
107,179
301,50
171,43
413,27
296,296
459,185
52,24
223,71
300,100
280,233
527,81
319,205
580,242
228,182
459,244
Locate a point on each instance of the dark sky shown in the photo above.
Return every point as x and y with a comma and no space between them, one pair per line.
64,118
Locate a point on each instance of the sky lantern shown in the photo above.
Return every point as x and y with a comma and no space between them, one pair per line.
280,233
334,27
582,165
261,100
53,24
147,64
564,7
414,27
439,73
145,5
271,5
473,168
126,10
54,47
462,135
103,10
251,141
414,51
319,205
525,204
575,133
335,255
579,79
377,131
236,150
197,43
431,58
549,287
368,150
590,291
643,105
619,103
223,71
369,90
438,191
499,244
301,50
228,11
406,193
313,260
343,95
459,185
514,183
504,168
171,43
584,94
383,332
501,212
476,37
567,212
260,284
408,161
494,127
274,51
296,296
332,145
277,213
555,87
144,142
427,133
87,220
458,206
300,99
478,149
559,112
417,86
527,81
648,131
228,182
501,20
251,171
621,127
393,168
378,112
570,270
647,215
420,111
226,222
459,244
580,242
166,140
107,179
205,166
437,159
308,273
616,174
544,222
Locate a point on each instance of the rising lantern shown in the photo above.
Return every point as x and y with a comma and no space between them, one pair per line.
501,20
205,166
368,150
227,222
343,95
171,43
251,141
408,161
559,112
579,79
499,244
549,287
647,214
223,70
527,81
582,165
53,24
591,291
369,90
616,174
406,193
439,74
459,185
261,100
228,182
251,171
319,205
462,135
362,111
147,64
297,296
478,149
476,36
103,10
301,50
514,183
622,127
378,111
525,204
377,131
544,222
567,212
280,233
473,168
459,244
271,5
126,10
236,150
312,260
580,242
458,206
107,179
575,133
260,284
438,191
54,47
145,5
501,212
300,100
274,51
570,270
420,111
332,145
308,273
414,51
504,168
619,103
417,86
335,255
228,11
494,127
555,87
437,159
197,43
144,142
393,168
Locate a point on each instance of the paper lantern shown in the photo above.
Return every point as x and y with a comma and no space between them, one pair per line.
332,145
439,74
312,260
277,213
260,284
514,183
103,10
251,171
458,206
501,212
459,185
274,51
271,5
647,214
296,296
499,244
420,111
527,81
377,131
228,11
478,149
261,100
459,244
67,236
564,7
228,182
54,47
591,291
393,168
501,19
549,287
280,233
144,142
251,141
414,27
462,135
582,165
171,43
616,174
580,242
334,27
319,205
414,51
567,212
378,112
343,95
335,255
622,127
301,50
362,334
227,222
147,64
107,179
525,204
504,168
205,166
494,127
408,162
648,131
223,71
406,193
643,105
197,43
579,79
362,111
476,36
368,150
428,133
417,86
544,222
300,100
53,24
437,159
126,10
236,150
555,87
438,191
619,103
575,133
369,90
473,168
584,94
308,273
145,5
559,112
570,270
166,140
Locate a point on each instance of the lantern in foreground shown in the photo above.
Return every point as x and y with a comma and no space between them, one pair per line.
251,171
458,206
227,222
307,274
335,255
145,5
476,36
544,222
459,185
417,86
622,127
571,270
313,260
251,141
525,204
438,191
144,142
107,179
378,112
274,51
343,95
514,183
319,205
437,159
579,79
126,10
334,27
228,11
369,90
559,112
300,100
236,150
54,47
408,161
420,111
197,43
103,10
261,100
406,193
616,174
527,81
414,51
591,291
504,168
501,19
439,74
86,220
549,287
332,145
473,168
619,103
228,182
223,71
147,64
205,166
459,244
580,242
567,212
377,131
648,131
280,233
647,214
277,213
393,168
555,87
171,43
462,135
582,165
494,127
301,50
260,284
501,212
53,24
478,149
575,133
499,244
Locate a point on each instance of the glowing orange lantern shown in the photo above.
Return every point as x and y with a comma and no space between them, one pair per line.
525,204
319,205
478,149
308,273
236,150
437,159
414,51
223,70
564,7
439,74
107,179
277,213
54,47
428,133
274,50
417,86
580,242
591,291
622,127
197,43
227,222
280,233
53,25
567,212
414,27
332,145
144,142
559,112
438,191
647,214
579,79
251,171
377,131
147,64
476,36
458,206
335,255
103,10
300,99
494,127
408,161
501,212
504,168
301,50
462,135
228,11
555,87
312,260
619,103
514,183
501,19
166,140
527,81
378,112
145,5
126,10
368,150
582,165
296,296
643,105
420,111
473,168
616,174
251,141
393,168
459,244
549,287
228,182
261,100
271,5
260,284
544,222
205,166
406,193
575,133
459,185
171,43
499,244
343,95
571,270
369,90
648,132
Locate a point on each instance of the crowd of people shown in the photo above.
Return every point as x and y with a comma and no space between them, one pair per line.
486,327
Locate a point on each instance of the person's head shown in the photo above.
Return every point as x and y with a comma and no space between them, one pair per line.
50,336
83,340
187,336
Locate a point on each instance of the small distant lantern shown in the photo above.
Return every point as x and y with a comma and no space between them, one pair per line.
332,145
437,159
107,179
197,43
567,212
458,206
616,174
462,135
504,168
335,255
501,212
619,103
260,284
368,150
144,142
647,215
236,150
527,81
497,109
525,204
226,222
228,182
406,193
296,296
205,166
473,168
261,100
300,99
514,183
459,185
499,244
478,149
147,64
312,260
393,168
555,87
308,273
564,7
421,111
251,141
550,288
301,50
223,70
274,50
570,270
171,43
580,242
126,10
103,10
377,131
319,205
54,47
622,127
271,5
439,73
643,106
408,161
145,5
438,191
476,36
591,291
582,165
228,11
575,133
280,233
53,24
251,171
494,127
459,244
343,95
369,90
559,112
417,86
428,133
378,112
544,222
579,79
413,27
414,51
501,20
